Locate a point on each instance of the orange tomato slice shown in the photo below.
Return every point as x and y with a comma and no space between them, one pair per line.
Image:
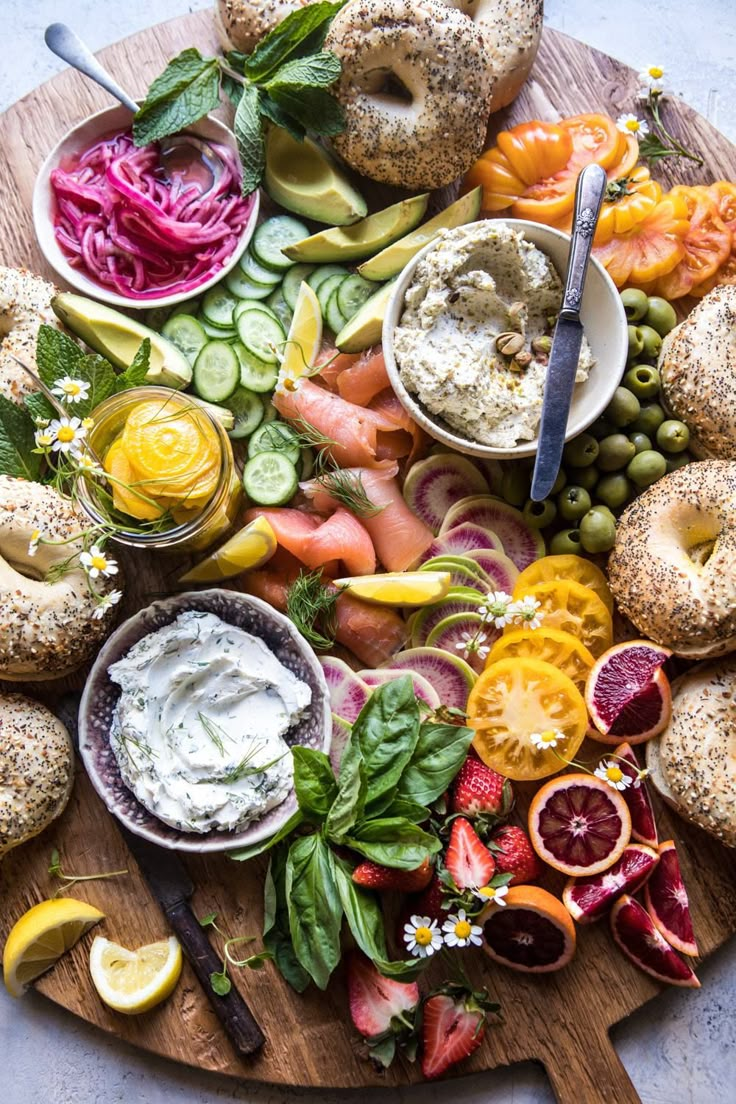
652,248
595,137
563,650
723,192
535,150
707,244
576,609
512,700
550,569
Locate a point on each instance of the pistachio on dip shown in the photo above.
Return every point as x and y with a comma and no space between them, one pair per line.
198,730
473,340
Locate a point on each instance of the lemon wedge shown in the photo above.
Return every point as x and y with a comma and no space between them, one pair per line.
134,981
402,588
303,340
249,548
41,937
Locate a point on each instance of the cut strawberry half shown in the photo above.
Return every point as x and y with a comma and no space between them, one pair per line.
636,796
579,824
628,694
636,935
451,1032
588,899
468,859
374,999
667,902
372,875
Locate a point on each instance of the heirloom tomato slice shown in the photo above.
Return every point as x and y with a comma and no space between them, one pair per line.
723,192
652,248
707,244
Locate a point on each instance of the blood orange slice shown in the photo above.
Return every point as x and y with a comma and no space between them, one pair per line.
667,903
628,694
636,935
579,824
588,899
636,796
532,931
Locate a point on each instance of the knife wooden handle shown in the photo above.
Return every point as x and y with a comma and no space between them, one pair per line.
232,1011
589,192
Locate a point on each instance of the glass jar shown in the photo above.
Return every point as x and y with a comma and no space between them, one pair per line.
196,534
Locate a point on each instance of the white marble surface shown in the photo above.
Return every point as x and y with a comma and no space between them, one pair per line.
679,1049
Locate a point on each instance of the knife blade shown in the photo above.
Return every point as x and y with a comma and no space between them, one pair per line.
568,336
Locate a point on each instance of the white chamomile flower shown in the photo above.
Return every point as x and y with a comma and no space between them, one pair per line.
611,773
460,932
288,381
95,563
641,774
474,643
68,434
87,423
549,738
105,603
652,76
422,936
630,124
73,390
492,895
496,609
33,545
44,439
526,612
87,465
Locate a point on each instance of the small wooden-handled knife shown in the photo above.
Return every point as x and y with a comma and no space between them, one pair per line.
565,353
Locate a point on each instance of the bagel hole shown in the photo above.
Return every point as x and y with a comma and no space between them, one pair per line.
28,571
701,553
384,82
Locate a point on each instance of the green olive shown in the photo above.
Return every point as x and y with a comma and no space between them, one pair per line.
636,303
673,436
559,482
623,408
615,452
636,342
646,468
515,485
573,502
581,451
601,428
677,460
565,543
539,514
650,419
640,441
584,477
651,341
643,380
660,315
614,490
598,530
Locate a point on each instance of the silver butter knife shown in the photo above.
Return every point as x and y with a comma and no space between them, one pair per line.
565,352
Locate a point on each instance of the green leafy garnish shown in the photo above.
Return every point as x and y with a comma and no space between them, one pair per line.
310,605
17,430
346,487
220,979
69,880
188,89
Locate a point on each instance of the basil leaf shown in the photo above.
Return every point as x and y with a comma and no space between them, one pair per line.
137,371
387,730
249,136
348,806
393,841
276,934
56,355
402,969
306,25
314,783
188,89
17,442
438,756
253,849
274,114
409,810
315,912
319,71
314,108
39,407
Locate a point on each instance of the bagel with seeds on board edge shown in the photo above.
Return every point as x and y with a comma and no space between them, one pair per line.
241,24
25,304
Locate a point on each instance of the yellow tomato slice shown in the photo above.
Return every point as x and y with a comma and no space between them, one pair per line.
124,495
170,443
652,248
576,609
563,650
577,569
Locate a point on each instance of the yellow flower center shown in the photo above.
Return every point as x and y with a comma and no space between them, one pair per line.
99,562
487,891
655,72
35,534
548,736
66,434
462,929
632,125
88,422
72,388
614,774
423,936
45,439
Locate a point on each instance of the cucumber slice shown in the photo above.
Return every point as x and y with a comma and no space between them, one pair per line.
261,334
270,479
276,437
216,372
333,315
258,273
325,290
306,463
252,304
293,281
255,375
189,306
218,306
323,272
272,236
187,334
156,316
270,413
352,294
280,308
248,410
240,286
216,333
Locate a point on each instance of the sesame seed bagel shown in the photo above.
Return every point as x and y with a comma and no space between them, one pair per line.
25,302
37,769
673,567
416,89
241,24
46,629
693,762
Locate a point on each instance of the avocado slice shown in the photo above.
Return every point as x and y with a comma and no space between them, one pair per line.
390,261
364,238
117,337
364,328
301,177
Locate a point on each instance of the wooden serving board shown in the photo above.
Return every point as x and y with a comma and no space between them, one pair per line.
562,1019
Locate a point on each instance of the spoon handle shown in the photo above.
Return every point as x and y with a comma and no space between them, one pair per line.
63,42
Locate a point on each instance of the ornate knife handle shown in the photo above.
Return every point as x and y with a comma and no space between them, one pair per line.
589,192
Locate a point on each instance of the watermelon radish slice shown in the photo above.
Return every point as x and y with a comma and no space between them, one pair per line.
521,544
422,688
453,632
636,796
499,568
426,619
348,695
451,676
589,898
636,935
461,540
434,485
461,574
667,903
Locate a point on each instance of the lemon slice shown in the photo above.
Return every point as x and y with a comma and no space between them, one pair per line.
402,588
304,339
41,937
249,548
134,981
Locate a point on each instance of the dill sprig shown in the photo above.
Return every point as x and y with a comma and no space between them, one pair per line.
244,770
214,731
346,487
310,605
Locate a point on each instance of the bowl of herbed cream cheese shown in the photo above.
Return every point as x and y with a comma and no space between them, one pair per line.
469,328
189,716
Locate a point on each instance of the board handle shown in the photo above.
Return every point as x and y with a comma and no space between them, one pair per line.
588,1069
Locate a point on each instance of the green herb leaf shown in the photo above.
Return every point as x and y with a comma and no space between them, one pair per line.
17,442
250,852
315,912
137,371
409,810
220,983
276,934
304,27
56,355
39,407
387,731
208,921
249,135
318,71
348,806
394,842
188,89
232,88
314,782
274,114
310,606
383,1051
315,108
438,756
100,375
55,863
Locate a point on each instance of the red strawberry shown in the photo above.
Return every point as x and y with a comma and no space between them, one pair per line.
374,999
452,1029
372,875
468,859
514,855
479,791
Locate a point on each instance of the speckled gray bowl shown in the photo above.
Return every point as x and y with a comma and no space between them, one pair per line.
101,695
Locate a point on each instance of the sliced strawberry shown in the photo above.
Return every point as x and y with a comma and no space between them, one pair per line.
515,855
372,875
450,1033
479,791
468,859
375,1000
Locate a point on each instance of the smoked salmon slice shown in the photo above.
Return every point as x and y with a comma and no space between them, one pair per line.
362,381
321,543
388,405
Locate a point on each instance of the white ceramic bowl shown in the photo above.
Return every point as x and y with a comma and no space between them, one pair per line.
76,140
604,322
